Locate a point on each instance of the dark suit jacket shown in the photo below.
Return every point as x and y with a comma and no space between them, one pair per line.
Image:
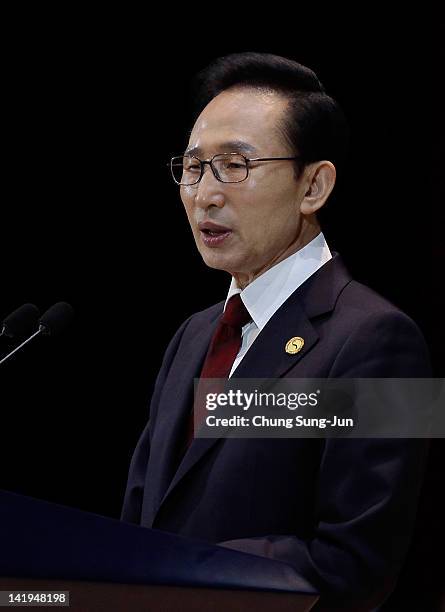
339,510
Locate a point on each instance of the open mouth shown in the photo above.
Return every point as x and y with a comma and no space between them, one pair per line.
208,232
214,237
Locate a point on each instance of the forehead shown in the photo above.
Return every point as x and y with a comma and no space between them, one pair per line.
239,116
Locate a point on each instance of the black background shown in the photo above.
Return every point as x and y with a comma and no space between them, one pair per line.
91,216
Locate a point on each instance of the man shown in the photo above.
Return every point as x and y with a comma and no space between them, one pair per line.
260,163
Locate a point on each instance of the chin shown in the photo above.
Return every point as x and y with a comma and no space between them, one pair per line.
218,261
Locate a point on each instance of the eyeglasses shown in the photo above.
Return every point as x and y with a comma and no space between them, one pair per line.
226,167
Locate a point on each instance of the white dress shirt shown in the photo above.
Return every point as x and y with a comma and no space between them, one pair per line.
268,292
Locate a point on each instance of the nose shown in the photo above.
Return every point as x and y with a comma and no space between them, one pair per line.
209,191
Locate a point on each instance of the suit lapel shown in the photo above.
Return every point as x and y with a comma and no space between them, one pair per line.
266,358
174,409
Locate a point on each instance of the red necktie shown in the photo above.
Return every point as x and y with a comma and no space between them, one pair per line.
226,341
223,349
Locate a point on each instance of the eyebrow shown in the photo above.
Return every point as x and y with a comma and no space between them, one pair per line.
230,146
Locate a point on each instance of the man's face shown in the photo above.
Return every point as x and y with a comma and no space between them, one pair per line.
258,220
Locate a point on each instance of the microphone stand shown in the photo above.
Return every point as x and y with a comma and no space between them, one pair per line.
41,328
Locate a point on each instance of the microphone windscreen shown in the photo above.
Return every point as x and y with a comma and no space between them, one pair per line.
56,318
22,321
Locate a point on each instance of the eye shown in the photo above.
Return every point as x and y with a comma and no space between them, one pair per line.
235,165
191,165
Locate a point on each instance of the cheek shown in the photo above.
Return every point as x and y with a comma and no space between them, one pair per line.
187,201
184,195
258,231
268,211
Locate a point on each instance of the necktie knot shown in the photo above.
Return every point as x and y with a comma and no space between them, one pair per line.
236,314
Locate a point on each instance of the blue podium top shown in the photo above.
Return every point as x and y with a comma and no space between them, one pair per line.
39,539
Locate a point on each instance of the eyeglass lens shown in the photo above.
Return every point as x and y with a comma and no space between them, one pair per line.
228,167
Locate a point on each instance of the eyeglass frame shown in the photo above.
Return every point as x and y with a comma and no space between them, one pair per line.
202,163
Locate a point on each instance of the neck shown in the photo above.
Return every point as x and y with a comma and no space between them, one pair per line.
308,232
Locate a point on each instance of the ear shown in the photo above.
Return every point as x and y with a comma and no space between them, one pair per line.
319,182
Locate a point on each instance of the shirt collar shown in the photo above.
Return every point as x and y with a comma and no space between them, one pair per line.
264,296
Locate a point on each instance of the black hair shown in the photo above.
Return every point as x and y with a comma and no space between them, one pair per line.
314,125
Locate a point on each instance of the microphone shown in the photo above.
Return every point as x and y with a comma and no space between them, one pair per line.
52,322
20,322
56,318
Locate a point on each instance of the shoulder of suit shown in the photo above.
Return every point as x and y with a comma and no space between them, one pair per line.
365,299
359,304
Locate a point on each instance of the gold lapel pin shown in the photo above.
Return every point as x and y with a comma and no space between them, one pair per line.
294,345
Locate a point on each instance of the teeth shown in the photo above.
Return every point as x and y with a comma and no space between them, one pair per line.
214,232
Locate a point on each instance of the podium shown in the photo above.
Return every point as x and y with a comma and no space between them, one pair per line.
109,565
